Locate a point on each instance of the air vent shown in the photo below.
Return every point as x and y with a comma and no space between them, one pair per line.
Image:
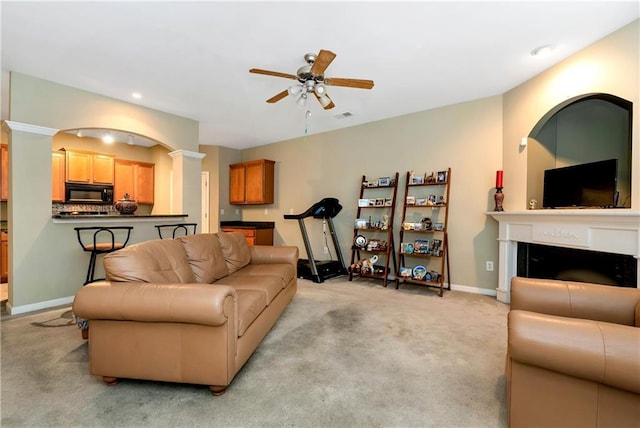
343,115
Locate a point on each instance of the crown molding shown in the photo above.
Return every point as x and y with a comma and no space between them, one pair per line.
33,129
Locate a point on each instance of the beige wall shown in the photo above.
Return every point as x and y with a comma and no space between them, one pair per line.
217,163
46,264
466,137
610,66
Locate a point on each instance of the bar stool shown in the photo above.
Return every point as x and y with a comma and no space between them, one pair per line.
96,247
187,228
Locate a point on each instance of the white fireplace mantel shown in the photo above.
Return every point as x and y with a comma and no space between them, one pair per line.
608,230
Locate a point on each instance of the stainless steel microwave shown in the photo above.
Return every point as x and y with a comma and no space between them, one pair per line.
78,193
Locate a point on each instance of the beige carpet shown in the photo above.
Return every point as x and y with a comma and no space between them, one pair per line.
344,354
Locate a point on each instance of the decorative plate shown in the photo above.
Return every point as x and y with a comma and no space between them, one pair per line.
419,272
360,241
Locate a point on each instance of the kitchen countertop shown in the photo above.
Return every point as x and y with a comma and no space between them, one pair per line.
248,224
115,218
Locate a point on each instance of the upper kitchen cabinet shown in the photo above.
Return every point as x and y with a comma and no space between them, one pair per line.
88,167
134,178
57,176
4,191
251,182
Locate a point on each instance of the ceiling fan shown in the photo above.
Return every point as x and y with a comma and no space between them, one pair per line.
313,81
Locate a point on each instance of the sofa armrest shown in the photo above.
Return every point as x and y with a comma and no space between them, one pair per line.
138,301
597,351
575,299
265,254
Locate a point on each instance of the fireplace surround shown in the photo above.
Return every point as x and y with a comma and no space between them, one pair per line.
613,231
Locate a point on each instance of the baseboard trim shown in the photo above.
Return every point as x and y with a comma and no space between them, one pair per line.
23,309
475,290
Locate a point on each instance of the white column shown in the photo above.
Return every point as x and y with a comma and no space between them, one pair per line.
28,210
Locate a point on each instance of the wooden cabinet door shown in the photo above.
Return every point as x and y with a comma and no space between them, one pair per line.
236,184
103,166
78,167
124,180
4,257
4,191
57,177
254,186
144,184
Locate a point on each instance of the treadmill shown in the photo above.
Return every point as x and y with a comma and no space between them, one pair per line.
310,268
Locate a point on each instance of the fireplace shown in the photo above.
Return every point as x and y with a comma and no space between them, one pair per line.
606,236
571,264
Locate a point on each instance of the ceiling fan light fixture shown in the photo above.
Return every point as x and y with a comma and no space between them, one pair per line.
294,90
302,100
320,89
324,100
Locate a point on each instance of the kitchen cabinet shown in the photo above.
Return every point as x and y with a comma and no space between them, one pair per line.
57,176
136,179
254,236
4,191
4,257
88,167
252,182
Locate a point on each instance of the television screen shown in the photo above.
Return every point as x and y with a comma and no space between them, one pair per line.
586,185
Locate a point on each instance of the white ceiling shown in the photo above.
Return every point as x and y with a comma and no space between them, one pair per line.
192,58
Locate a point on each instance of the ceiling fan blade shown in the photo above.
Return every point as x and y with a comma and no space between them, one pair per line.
322,61
350,83
272,73
328,106
278,97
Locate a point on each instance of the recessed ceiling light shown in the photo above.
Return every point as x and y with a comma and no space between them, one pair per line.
542,51
136,95
107,138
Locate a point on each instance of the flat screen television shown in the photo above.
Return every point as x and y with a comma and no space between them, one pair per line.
586,185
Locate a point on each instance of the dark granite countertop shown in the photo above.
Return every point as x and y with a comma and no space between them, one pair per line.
127,216
249,224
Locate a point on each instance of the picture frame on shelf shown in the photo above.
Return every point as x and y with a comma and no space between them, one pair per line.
432,199
441,200
442,177
388,202
421,246
372,202
406,272
362,223
373,183
363,202
438,226
407,247
411,200
421,201
417,179
379,202
384,181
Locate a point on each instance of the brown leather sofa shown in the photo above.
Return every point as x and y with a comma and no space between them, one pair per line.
188,310
573,357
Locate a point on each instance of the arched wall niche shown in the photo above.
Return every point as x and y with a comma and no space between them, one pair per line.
586,128
143,149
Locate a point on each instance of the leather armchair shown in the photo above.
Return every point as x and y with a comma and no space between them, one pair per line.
573,357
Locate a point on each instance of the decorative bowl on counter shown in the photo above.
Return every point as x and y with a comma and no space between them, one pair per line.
126,205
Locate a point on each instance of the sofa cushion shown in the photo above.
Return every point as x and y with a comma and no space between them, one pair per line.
235,249
270,286
286,272
162,261
204,253
251,303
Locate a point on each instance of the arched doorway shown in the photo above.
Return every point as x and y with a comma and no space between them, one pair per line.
583,129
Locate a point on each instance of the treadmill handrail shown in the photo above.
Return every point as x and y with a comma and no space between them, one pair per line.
325,208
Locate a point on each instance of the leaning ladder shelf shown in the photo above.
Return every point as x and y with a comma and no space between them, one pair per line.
425,239
374,235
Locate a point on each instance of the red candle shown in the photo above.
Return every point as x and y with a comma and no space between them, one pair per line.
498,178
